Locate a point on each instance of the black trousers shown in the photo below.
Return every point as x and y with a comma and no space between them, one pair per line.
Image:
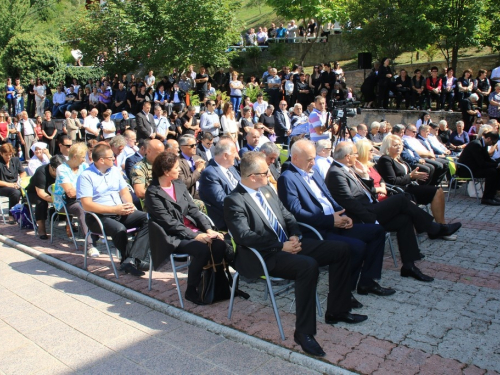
399,214
427,168
31,106
417,100
491,182
440,169
116,226
304,269
41,206
366,244
200,256
51,143
14,195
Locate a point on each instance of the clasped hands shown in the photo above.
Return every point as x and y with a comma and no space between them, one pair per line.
293,245
209,236
343,222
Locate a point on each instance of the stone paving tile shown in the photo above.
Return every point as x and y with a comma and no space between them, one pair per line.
452,323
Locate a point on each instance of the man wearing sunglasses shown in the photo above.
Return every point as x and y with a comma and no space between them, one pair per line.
64,142
191,165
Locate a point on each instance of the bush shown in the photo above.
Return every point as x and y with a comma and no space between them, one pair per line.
33,54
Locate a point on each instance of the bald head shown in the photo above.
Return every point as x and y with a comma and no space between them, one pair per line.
172,146
155,148
303,154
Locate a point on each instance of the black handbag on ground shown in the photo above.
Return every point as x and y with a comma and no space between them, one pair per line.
214,284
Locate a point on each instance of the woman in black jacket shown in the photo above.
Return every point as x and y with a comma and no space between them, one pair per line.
184,228
384,83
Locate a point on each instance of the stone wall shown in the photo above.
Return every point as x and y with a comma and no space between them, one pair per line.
355,78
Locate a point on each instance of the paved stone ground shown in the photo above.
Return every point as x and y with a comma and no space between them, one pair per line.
54,323
450,326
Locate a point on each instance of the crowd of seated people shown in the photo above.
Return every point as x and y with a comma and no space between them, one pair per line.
213,162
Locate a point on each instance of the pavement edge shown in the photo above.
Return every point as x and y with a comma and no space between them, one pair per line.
187,317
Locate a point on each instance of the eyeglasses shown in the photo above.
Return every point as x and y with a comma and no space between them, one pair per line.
67,146
108,157
190,146
259,128
262,174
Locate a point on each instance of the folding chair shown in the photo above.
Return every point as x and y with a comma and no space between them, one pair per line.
453,166
269,287
106,242
1,209
391,247
62,212
26,200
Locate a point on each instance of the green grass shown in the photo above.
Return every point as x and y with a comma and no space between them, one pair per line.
250,15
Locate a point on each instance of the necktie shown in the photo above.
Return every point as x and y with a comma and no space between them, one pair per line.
191,161
271,217
368,193
231,179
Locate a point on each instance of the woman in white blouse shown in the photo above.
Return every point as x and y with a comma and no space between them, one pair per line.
39,97
229,123
108,125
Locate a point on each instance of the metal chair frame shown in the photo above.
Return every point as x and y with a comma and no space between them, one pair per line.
453,165
106,242
1,209
24,195
64,212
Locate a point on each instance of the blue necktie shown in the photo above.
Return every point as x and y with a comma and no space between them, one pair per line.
271,217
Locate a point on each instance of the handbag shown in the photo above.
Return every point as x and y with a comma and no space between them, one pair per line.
214,284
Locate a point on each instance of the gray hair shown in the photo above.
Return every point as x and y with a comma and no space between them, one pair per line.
342,150
249,162
322,144
387,142
118,141
398,128
459,122
247,109
375,124
269,148
484,129
270,106
223,146
183,140
443,122
474,97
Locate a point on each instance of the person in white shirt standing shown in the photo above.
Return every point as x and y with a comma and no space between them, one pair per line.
90,125
209,121
27,134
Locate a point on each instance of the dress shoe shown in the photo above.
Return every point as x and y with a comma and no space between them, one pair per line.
346,318
490,202
355,304
415,273
130,268
453,237
375,289
193,297
308,344
446,230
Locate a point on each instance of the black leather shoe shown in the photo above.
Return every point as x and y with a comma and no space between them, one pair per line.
130,268
416,274
490,202
355,304
375,289
446,230
193,297
346,318
308,344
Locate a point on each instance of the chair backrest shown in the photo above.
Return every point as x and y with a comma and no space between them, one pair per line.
452,166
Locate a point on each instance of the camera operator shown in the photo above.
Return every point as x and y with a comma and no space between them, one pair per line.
318,128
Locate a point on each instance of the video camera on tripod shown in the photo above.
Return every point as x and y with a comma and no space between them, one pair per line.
339,111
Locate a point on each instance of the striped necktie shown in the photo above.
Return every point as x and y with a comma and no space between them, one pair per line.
271,217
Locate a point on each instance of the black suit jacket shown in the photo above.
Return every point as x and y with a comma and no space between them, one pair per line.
476,157
166,219
249,227
393,172
200,151
279,122
145,125
345,189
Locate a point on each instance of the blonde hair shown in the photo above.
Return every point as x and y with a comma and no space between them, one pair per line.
387,142
484,129
78,149
364,147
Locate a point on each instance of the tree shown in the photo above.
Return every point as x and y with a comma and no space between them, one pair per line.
322,11
33,54
156,34
387,28
456,25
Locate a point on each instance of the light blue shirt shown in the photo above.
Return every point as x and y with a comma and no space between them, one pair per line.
357,138
323,200
102,188
207,122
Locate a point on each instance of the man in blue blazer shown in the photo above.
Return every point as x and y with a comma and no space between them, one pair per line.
306,196
218,179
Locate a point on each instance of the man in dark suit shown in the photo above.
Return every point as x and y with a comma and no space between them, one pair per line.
137,157
475,156
190,164
256,218
205,149
356,193
218,180
306,196
282,123
145,123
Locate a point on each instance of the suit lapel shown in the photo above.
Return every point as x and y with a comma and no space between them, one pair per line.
272,200
249,200
178,193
